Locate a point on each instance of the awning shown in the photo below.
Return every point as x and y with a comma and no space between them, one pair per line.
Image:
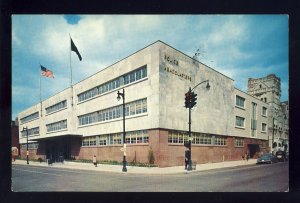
41,138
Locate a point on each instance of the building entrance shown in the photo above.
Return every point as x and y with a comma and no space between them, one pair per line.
253,150
58,149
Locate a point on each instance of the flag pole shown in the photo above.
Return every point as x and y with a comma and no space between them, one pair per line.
70,60
41,92
71,71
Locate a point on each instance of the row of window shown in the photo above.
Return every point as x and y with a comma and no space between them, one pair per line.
30,117
57,126
132,108
56,107
240,122
34,145
32,131
122,80
240,102
197,138
133,137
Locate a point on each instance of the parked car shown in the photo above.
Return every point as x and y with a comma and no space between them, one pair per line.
267,158
281,155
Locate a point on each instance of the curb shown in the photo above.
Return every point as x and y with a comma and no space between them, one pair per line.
140,170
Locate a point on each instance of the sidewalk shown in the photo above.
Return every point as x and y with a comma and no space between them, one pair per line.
139,170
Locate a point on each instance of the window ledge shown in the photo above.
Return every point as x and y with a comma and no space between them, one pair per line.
242,128
240,107
56,131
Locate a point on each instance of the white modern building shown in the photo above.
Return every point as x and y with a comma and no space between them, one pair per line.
86,119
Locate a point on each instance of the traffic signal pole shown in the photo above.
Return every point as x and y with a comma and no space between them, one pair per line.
190,142
190,102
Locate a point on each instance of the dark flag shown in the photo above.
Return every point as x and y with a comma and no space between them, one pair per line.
47,73
74,48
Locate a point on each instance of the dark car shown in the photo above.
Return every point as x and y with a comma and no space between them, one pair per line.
267,159
281,155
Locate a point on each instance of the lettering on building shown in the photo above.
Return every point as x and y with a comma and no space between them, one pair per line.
179,74
171,60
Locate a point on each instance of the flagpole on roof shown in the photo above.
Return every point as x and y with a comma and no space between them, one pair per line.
41,92
70,60
71,71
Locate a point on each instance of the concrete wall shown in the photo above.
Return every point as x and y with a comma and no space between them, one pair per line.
214,110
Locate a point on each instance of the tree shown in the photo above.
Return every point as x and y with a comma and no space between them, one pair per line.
151,156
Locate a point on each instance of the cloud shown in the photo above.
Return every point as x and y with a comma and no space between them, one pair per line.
237,46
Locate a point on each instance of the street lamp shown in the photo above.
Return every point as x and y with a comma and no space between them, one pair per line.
124,169
190,106
27,153
274,114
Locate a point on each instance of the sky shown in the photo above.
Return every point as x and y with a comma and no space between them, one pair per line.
239,46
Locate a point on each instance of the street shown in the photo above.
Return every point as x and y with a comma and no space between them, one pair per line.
251,178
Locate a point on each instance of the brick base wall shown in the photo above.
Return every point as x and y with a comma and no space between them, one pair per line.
165,154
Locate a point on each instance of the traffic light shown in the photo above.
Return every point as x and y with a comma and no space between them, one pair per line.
193,99
188,99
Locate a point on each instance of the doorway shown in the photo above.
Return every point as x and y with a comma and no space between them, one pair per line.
253,150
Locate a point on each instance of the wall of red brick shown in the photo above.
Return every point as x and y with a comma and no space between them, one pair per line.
165,154
15,136
33,155
134,153
173,154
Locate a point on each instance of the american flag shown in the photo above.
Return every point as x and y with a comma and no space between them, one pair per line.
47,73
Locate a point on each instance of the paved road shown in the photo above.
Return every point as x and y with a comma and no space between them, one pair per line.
254,178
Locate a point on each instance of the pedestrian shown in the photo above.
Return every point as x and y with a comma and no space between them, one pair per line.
186,159
248,156
95,160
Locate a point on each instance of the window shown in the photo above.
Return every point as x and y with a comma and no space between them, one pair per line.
30,117
56,126
138,107
238,142
144,105
264,127
264,111
102,140
134,137
34,145
131,108
239,122
173,137
220,140
31,132
240,101
116,83
253,119
89,141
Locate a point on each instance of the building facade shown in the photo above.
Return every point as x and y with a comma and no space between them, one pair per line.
86,119
268,89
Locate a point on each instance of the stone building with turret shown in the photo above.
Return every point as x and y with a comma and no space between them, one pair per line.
268,90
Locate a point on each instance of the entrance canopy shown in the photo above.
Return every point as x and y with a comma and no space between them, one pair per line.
54,137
